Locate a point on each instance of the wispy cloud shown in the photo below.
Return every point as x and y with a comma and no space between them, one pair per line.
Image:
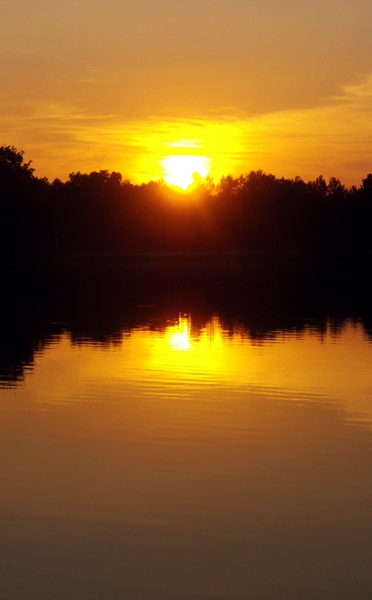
334,139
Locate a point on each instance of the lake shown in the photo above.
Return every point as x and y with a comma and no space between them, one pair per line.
185,442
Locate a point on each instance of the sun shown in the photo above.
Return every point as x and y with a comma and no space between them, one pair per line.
184,170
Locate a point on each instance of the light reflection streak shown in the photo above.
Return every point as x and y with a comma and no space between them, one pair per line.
179,335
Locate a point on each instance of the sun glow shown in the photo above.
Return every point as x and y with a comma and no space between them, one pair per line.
184,170
175,150
186,350
179,335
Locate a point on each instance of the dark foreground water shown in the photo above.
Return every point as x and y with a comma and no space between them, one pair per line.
181,441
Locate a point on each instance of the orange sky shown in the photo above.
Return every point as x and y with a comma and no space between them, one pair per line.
122,84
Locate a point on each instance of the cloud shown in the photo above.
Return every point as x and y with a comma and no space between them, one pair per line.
333,139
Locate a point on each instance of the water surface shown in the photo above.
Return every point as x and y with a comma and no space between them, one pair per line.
184,458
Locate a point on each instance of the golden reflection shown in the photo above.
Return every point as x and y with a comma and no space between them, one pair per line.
179,335
290,365
184,349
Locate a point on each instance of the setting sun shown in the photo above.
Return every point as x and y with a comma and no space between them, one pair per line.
184,170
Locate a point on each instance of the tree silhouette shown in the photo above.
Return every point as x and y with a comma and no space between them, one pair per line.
12,165
256,213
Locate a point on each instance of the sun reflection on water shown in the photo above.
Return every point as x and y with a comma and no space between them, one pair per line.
183,349
178,335
190,352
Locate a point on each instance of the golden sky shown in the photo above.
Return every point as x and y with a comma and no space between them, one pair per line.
123,84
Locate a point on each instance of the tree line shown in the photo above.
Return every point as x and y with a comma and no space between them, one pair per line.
100,212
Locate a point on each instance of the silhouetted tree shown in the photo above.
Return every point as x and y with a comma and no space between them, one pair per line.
21,194
367,186
13,169
99,213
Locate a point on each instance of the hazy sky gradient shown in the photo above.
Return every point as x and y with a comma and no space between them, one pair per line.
283,86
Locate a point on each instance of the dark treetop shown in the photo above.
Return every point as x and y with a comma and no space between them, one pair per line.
256,214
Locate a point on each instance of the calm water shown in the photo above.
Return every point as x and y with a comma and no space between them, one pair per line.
170,451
